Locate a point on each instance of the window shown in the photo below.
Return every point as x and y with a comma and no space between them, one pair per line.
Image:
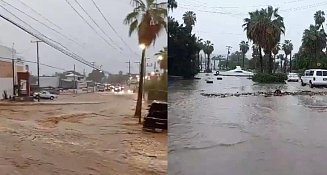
306,73
311,73
319,73
324,73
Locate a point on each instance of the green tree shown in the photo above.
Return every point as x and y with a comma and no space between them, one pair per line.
163,60
208,49
288,48
189,18
182,46
148,19
313,42
281,59
319,18
275,51
264,28
172,4
200,46
96,76
244,48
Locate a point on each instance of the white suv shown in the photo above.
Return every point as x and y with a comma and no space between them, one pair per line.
314,77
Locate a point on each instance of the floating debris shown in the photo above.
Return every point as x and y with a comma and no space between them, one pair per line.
264,94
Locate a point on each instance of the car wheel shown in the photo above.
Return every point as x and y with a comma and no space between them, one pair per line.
303,84
311,85
52,97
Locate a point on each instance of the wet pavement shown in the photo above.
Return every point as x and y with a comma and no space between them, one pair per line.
251,135
82,134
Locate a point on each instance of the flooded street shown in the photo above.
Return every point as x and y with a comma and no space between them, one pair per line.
80,134
251,135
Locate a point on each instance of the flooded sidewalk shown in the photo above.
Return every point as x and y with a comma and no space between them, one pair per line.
79,134
247,135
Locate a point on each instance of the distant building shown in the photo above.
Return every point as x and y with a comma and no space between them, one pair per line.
7,76
49,81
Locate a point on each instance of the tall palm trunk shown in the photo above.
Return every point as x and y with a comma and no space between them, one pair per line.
201,63
243,60
281,65
290,61
285,64
261,60
208,64
270,63
138,111
214,64
274,63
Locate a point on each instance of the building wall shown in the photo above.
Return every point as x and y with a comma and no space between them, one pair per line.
6,85
49,81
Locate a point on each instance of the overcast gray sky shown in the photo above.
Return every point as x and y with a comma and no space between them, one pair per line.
221,21
91,47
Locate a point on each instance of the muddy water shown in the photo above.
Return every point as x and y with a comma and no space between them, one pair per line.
252,135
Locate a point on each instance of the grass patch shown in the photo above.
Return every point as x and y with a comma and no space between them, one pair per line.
269,78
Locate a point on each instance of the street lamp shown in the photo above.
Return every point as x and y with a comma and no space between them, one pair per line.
142,46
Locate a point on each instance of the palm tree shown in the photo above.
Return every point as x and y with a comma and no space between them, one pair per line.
208,49
163,59
288,48
313,42
244,47
281,58
200,46
319,17
264,28
275,52
189,18
172,4
148,19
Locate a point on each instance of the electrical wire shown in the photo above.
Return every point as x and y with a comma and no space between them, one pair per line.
89,24
104,17
39,14
64,51
22,60
85,11
64,36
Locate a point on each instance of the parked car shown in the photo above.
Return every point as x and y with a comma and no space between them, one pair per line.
314,77
52,90
101,88
293,77
45,95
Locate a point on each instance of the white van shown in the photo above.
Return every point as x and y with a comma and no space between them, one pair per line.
314,77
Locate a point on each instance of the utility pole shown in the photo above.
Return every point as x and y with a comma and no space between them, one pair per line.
228,48
13,69
38,61
75,79
129,67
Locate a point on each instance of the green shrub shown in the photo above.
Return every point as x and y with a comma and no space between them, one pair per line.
269,78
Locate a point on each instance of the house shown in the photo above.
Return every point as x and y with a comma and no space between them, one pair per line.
7,75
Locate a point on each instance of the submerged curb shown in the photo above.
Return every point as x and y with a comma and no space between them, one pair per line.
265,94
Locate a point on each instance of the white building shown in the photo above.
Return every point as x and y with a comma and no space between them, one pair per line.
6,70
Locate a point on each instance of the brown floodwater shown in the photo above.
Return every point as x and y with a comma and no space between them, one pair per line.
251,135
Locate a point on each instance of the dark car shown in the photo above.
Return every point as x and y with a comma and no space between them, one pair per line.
157,116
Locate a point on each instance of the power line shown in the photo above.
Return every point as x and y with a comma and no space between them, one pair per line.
22,60
38,13
89,24
96,23
113,27
31,27
64,51
41,23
